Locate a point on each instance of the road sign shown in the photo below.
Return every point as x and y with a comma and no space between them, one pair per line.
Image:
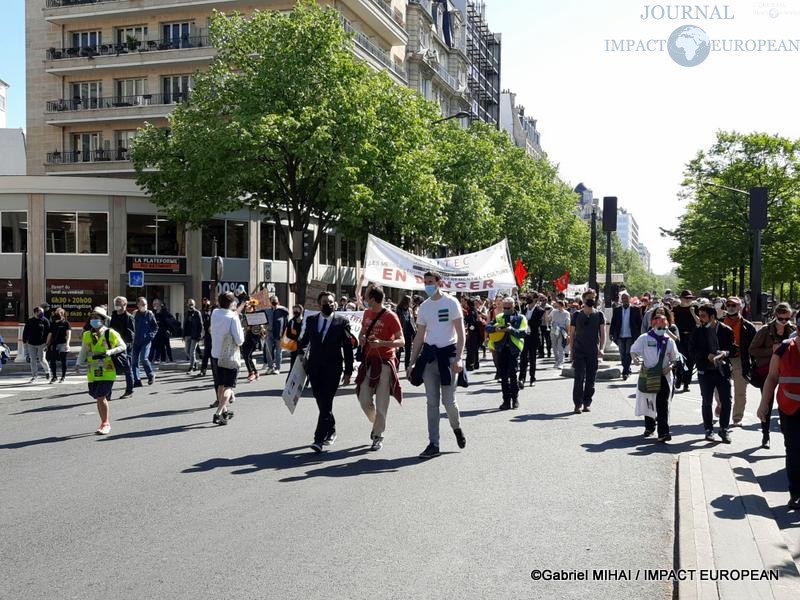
135,278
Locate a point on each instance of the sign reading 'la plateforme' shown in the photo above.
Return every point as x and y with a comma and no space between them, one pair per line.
173,265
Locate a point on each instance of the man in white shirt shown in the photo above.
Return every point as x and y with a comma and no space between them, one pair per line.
224,321
436,359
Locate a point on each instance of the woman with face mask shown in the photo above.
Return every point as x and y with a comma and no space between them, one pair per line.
98,345
58,343
655,349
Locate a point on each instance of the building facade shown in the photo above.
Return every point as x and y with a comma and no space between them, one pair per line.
97,70
436,56
520,128
484,53
71,241
644,254
587,203
627,230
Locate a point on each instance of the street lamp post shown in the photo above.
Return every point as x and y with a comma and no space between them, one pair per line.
459,115
757,221
593,252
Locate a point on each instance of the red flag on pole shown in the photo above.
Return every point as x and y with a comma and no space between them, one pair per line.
520,272
562,282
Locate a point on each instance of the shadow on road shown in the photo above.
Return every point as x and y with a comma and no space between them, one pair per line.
47,440
162,413
364,466
154,432
53,407
280,459
541,417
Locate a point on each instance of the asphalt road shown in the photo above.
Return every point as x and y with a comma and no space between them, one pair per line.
171,506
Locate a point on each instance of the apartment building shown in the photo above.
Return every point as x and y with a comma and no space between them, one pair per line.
437,54
99,69
483,52
3,104
77,224
627,230
520,128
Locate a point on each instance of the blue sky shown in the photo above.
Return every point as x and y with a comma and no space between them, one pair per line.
624,123
12,59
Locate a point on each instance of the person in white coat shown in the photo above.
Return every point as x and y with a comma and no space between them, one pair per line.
648,350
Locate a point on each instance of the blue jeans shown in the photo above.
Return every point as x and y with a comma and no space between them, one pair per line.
141,352
275,348
624,345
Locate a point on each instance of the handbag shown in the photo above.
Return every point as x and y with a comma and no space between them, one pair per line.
229,356
120,360
360,350
650,378
288,343
758,375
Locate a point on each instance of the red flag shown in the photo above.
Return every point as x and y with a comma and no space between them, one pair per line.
562,282
520,272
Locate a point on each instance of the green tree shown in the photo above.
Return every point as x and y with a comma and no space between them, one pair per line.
287,122
714,234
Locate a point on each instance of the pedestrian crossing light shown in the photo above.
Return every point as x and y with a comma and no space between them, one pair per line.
308,242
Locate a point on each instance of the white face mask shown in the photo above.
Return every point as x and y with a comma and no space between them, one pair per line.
660,331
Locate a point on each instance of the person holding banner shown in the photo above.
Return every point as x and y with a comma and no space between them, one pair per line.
377,379
329,340
436,359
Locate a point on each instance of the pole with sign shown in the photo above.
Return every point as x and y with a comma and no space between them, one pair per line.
135,279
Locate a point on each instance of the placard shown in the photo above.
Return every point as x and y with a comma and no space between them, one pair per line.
77,297
11,301
256,318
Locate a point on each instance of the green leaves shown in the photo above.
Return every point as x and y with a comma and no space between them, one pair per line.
714,233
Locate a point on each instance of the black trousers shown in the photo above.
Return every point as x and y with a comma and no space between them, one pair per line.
585,366
324,386
709,381
507,365
473,344
790,427
58,356
529,355
685,377
545,341
662,410
206,354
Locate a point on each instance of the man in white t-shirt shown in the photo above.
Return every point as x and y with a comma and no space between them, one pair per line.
436,359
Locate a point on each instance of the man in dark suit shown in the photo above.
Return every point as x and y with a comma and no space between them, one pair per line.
330,355
626,322
711,347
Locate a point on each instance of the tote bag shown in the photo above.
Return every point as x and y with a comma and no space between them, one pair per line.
229,357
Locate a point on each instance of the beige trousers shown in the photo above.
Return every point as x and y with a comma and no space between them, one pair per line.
375,403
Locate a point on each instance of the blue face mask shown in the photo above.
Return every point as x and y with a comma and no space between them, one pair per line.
431,289
96,323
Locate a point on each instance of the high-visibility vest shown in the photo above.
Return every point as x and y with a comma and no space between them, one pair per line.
789,379
496,337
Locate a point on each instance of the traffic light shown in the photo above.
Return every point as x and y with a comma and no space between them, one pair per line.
767,303
307,242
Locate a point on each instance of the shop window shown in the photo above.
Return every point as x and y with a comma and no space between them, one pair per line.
214,228
76,233
237,239
267,251
13,231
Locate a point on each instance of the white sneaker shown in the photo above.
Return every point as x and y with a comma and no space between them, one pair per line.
104,429
32,380
268,371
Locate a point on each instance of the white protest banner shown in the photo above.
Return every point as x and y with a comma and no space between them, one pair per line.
486,269
355,317
294,385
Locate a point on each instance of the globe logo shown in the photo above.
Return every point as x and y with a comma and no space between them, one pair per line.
689,46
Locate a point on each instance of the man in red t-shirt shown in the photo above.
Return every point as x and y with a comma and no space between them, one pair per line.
377,380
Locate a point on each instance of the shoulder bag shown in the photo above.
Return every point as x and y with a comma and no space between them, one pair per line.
650,378
229,356
360,350
120,360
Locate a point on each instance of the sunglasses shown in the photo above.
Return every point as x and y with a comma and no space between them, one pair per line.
783,319
732,305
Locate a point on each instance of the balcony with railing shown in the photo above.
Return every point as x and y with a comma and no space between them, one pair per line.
372,50
388,22
89,156
134,53
66,11
112,108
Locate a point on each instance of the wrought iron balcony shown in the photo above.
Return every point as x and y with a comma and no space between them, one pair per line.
132,46
59,3
371,48
78,156
89,103
391,12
